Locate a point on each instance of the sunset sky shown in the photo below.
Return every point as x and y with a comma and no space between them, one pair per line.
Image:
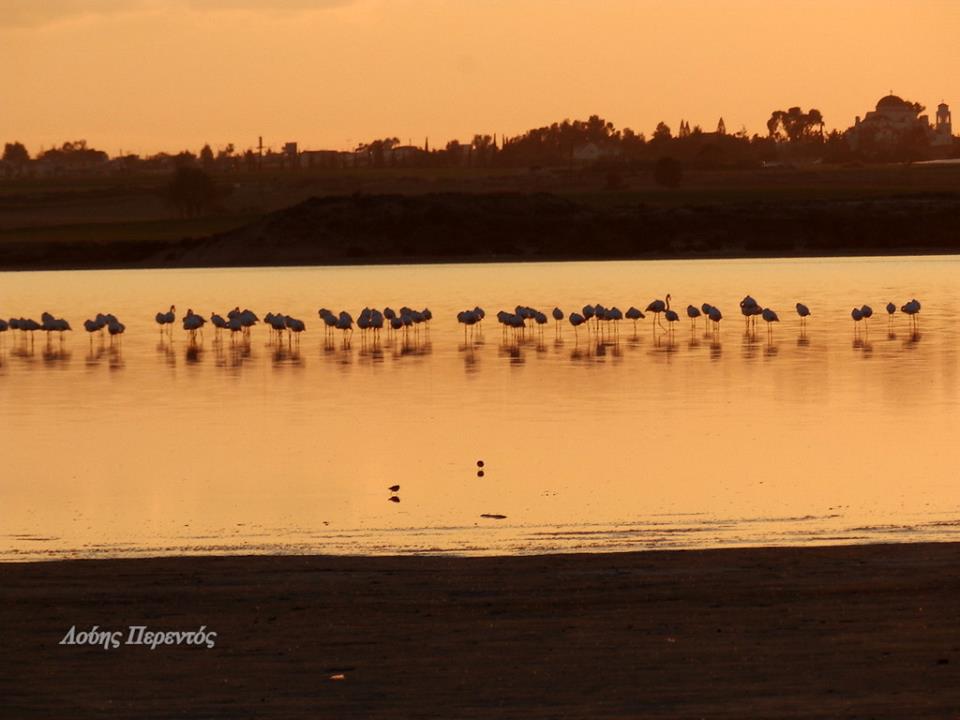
147,75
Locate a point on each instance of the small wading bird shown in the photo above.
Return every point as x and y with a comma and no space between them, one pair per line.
804,312
166,319
891,309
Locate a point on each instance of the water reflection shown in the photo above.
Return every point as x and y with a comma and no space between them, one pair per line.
522,401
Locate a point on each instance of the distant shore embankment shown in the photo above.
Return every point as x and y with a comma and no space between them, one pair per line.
482,227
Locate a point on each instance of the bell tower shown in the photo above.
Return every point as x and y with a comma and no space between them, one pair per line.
944,125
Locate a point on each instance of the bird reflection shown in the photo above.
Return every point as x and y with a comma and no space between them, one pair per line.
193,353
235,354
287,355
513,352
716,350
55,355
803,340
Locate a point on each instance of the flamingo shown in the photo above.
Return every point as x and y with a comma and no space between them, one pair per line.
857,316
376,322
191,323
656,307
804,312
912,309
92,326
330,320
634,314
166,318
750,308
576,319
115,327
344,323
52,324
867,312
248,319
468,318
715,316
277,323
670,315
615,315
295,326
218,322
705,309
693,314
770,317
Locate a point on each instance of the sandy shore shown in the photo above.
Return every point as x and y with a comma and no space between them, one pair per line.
851,632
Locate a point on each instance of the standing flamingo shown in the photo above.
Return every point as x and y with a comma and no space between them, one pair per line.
804,312
656,307
166,318
770,317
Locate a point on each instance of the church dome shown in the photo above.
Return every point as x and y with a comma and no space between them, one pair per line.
891,102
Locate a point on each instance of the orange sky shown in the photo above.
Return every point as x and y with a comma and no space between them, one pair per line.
145,75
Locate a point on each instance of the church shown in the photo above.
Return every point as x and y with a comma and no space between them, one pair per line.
896,119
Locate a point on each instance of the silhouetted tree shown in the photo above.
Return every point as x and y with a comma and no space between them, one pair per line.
206,157
668,172
191,191
483,149
661,133
795,125
16,154
74,154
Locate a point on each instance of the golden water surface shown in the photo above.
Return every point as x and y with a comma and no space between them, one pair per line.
148,445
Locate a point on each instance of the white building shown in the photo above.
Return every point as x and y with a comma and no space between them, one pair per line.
895,119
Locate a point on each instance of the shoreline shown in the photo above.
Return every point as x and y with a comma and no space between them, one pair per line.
829,631
493,260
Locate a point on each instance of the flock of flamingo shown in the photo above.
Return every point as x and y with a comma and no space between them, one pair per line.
598,319
605,321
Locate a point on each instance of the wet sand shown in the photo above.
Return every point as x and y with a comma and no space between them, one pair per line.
851,632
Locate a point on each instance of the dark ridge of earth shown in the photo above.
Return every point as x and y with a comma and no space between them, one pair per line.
466,227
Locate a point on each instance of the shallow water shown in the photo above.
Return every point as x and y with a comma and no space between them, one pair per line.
149,446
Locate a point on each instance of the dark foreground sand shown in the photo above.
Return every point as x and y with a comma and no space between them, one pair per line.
844,632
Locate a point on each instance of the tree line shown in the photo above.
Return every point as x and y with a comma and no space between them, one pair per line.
792,135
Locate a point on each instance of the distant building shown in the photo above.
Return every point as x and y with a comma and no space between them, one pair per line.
895,120
403,154
591,152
